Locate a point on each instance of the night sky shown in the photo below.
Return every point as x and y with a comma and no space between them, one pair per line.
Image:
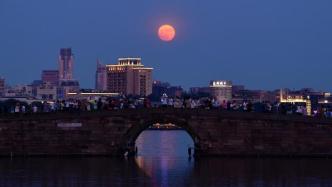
264,44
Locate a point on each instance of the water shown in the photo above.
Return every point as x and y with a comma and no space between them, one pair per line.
163,161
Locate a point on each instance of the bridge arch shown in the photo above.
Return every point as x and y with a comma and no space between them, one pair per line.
130,137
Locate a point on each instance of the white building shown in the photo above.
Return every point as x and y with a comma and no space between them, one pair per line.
221,90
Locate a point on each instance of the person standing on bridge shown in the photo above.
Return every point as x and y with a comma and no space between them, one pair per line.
189,151
164,100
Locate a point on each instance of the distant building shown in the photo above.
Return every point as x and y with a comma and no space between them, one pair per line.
221,90
129,77
18,91
241,95
174,91
101,77
2,86
46,91
288,96
68,86
200,91
50,76
67,83
159,88
66,62
237,88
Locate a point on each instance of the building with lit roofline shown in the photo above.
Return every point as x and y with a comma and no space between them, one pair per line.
129,77
221,90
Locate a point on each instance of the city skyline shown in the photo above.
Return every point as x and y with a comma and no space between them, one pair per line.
251,43
165,93
100,62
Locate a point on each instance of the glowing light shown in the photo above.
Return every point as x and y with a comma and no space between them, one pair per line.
166,33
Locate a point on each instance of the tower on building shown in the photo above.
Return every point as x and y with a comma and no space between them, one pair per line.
67,83
66,62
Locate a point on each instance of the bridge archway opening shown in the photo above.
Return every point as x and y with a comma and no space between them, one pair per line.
145,139
164,140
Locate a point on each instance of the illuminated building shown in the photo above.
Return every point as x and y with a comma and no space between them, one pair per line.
221,90
66,61
296,98
288,97
101,77
50,76
129,77
2,86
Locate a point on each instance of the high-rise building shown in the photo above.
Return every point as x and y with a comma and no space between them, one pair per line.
67,84
221,90
2,86
129,77
66,62
50,76
101,77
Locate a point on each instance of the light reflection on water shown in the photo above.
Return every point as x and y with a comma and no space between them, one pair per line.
164,144
160,167
162,155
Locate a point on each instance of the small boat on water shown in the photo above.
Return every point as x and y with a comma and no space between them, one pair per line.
168,126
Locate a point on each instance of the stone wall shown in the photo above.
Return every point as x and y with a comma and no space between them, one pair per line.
215,133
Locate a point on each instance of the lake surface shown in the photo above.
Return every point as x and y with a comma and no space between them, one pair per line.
163,161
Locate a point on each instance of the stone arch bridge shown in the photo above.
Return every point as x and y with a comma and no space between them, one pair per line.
215,133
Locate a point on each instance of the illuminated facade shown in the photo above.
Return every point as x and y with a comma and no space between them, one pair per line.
286,97
101,77
129,77
50,76
221,90
66,62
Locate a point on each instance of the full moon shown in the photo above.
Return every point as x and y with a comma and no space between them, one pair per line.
166,33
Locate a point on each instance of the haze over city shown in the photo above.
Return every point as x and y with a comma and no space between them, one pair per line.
249,42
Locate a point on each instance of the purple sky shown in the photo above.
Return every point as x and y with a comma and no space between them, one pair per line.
259,43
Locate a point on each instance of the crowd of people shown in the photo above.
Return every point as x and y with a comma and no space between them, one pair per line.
101,104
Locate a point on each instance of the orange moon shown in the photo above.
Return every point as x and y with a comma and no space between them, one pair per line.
166,33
